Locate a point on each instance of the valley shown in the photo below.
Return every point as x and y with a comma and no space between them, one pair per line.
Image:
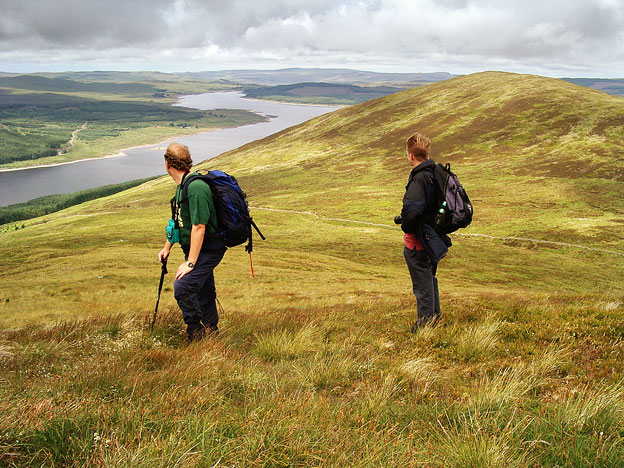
315,364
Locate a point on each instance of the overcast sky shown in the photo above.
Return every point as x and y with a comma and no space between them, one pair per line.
548,37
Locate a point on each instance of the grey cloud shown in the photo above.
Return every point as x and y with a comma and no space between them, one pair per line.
80,24
119,23
502,31
489,29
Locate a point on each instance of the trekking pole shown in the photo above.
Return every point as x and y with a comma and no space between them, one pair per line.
163,272
249,247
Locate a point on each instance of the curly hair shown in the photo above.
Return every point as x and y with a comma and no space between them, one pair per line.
179,157
418,145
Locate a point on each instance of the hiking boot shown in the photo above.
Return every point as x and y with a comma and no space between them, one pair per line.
195,332
212,330
417,324
425,322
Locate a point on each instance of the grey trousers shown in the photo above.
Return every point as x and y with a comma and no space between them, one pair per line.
424,284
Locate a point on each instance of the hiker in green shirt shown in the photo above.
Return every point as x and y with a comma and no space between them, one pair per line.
194,286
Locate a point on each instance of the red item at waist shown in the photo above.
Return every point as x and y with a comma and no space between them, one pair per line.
412,242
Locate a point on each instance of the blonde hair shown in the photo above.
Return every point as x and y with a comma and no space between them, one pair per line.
418,145
179,157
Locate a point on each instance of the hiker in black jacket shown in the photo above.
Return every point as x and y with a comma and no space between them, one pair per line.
424,247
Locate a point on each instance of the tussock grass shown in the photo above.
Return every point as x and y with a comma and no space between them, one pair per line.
334,370
589,408
426,334
5,351
549,361
510,385
420,374
507,386
109,392
287,344
477,441
380,396
478,341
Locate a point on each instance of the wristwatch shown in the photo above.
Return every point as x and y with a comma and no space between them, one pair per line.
190,264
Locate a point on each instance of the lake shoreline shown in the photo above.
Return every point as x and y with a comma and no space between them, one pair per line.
245,97
140,158
120,153
337,106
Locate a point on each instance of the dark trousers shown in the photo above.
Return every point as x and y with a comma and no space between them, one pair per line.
424,284
196,293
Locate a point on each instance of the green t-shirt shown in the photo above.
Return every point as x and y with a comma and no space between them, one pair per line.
200,209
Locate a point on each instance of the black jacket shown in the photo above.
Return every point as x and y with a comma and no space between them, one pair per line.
419,205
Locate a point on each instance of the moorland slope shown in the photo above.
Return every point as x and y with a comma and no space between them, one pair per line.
315,365
540,157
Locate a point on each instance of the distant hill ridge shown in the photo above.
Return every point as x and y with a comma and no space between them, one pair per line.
273,77
609,86
347,93
329,75
40,83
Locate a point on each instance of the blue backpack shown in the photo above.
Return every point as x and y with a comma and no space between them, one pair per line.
234,221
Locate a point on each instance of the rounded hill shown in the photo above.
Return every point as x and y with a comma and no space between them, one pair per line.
538,156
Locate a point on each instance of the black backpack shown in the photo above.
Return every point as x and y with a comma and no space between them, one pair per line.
234,221
454,209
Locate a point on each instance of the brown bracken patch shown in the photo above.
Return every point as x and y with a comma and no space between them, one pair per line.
608,123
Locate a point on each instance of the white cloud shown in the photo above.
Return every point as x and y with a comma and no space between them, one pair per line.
550,36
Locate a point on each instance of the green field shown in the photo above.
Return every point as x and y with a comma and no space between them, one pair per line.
315,365
39,114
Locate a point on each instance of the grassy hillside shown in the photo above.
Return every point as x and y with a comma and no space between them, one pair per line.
539,157
315,365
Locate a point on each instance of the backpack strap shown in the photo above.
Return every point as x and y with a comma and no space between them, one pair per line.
249,246
185,183
184,194
429,180
174,212
175,205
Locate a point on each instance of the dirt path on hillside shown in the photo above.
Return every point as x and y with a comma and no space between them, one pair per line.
485,236
72,140
395,227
